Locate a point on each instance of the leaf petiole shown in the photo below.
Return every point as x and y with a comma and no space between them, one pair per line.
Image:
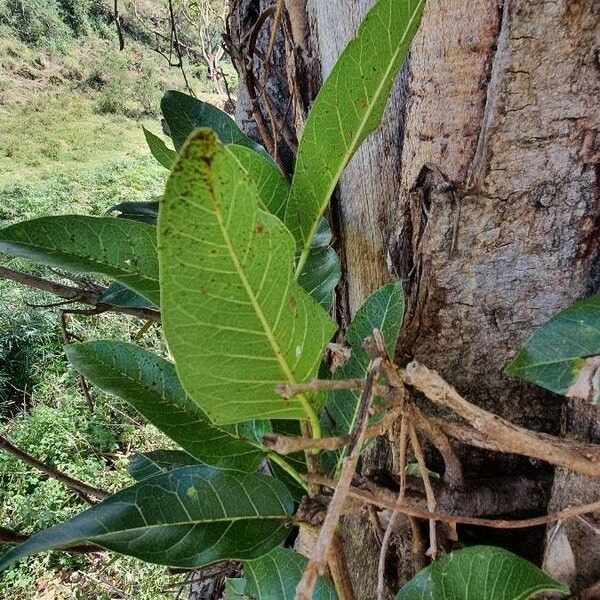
285,465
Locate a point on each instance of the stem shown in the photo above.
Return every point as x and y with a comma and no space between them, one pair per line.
313,418
288,469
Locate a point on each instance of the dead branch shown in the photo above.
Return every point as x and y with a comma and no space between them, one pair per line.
86,491
318,560
494,432
74,294
384,501
339,570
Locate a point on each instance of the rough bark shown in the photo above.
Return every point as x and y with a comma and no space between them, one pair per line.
481,191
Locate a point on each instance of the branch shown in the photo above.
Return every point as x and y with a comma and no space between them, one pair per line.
318,560
496,433
80,487
74,294
8,536
383,501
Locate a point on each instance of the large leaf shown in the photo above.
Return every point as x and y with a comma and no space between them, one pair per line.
118,248
273,187
164,155
348,107
320,274
555,356
479,573
184,114
187,517
148,464
383,310
150,384
235,320
276,575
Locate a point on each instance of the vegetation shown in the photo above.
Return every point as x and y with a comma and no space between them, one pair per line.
237,265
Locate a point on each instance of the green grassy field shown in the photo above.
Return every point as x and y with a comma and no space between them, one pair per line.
70,142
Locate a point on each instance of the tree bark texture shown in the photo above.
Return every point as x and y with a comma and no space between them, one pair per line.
481,191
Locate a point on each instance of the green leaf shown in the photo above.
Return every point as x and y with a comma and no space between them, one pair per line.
479,573
118,295
187,517
234,589
148,464
164,155
554,357
118,248
383,310
273,187
234,319
320,274
276,575
149,383
347,109
145,212
184,114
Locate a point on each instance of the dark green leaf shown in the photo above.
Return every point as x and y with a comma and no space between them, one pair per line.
234,589
479,573
383,310
276,575
145,212
184,114
118,295
187,517
164,155
150,384
320,274
235,320
347,109
273,187
554,357
118,248
148,464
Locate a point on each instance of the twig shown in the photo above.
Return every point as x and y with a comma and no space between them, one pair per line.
396,511
339,570
289,444
117,18
287,390
368,497
8,536
431,502
74,484
318,560
492,431
76,295
453,472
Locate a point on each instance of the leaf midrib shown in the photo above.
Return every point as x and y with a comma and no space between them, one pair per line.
366,117
247,287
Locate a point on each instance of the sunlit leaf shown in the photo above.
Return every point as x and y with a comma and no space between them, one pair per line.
347,109
187,517
149,383
234,319
118,248
479,573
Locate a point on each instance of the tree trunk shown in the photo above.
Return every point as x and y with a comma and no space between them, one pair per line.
481,191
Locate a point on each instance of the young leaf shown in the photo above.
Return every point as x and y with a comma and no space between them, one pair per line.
347,109
148,464
187,517
164,155
276,575
149,383
234,319
183,114
118,248
555,356
273,187
480,573
384,310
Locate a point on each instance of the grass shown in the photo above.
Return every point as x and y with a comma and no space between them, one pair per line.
70,142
